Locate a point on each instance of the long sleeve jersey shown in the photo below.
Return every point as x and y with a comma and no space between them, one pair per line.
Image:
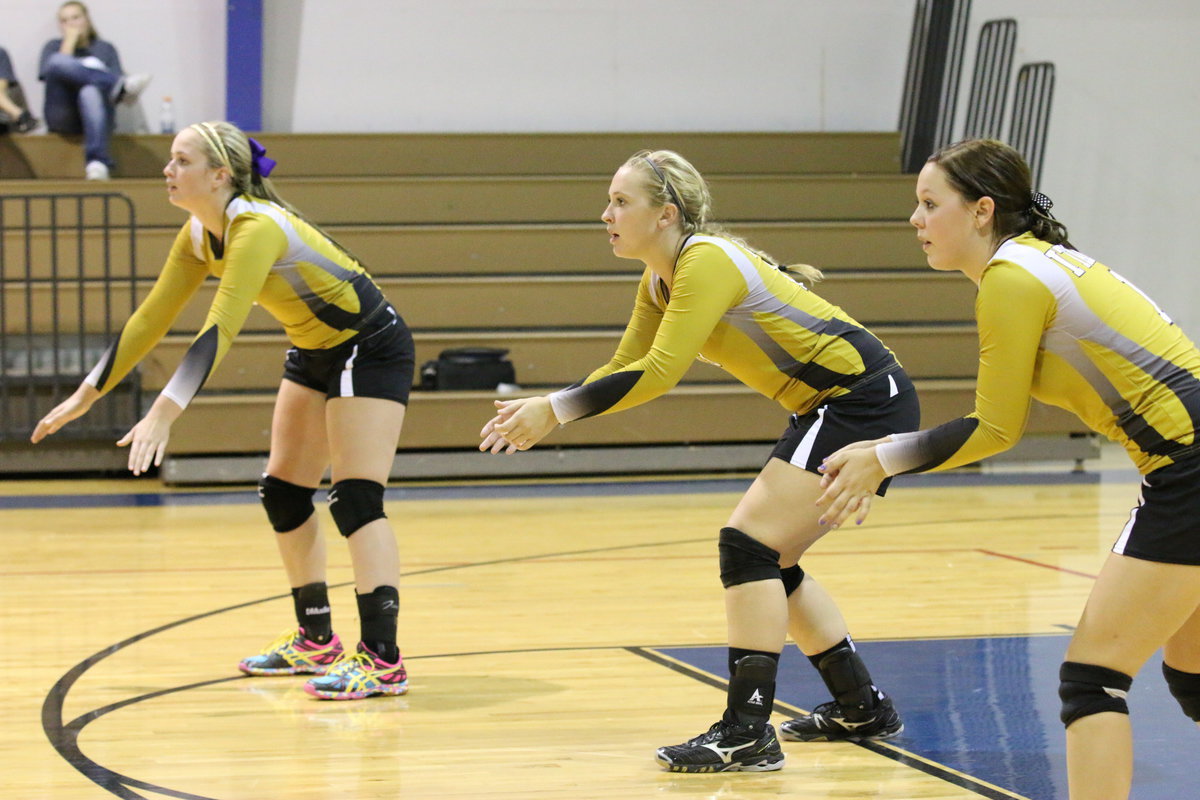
730,307
1063,328
267,256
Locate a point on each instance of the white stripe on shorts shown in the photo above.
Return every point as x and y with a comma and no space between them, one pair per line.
347,389
804,449
892,390
1123,539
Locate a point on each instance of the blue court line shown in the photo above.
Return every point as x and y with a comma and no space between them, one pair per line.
988,708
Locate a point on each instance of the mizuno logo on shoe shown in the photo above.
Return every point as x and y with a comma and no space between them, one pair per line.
848,725
727,753
755,699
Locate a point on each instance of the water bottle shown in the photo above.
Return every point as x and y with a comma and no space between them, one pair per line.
166,117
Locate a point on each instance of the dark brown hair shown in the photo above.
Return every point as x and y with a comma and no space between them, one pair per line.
978,168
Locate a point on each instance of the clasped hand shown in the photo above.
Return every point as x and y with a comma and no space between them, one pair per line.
850,478
518,425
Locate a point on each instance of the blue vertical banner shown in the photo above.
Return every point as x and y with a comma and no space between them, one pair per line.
244,63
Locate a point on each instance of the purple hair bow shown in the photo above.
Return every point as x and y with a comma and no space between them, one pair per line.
258,157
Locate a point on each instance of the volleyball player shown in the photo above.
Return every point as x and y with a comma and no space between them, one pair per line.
1062,327
707,294
340,405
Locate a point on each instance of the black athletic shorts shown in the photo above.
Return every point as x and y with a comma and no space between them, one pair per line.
1165,524
378,362
880,406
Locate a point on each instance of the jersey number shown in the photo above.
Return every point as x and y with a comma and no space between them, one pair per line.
1079,264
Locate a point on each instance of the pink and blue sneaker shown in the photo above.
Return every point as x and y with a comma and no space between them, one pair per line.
294,653
360,675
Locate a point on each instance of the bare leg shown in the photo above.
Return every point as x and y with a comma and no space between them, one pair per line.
779,509
299,455
1116,631
814,619
1182,650
363,434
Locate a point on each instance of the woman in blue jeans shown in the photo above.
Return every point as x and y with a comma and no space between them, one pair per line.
84,81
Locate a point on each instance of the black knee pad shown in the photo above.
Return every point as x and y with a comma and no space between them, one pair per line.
745,559
355,502
792,576
288,506
1185,688
1087,689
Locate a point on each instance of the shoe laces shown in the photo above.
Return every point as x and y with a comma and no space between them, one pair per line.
283,640
350,661
721,729
828,709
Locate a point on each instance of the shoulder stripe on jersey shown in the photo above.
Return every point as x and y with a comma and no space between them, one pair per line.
334,316
760,300
196,231
1075,322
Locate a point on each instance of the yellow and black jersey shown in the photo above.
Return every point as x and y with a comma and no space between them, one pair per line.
267,256
1065,329
730,307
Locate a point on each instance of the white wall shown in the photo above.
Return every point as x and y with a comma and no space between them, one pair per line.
1122,161
571,65
1123,154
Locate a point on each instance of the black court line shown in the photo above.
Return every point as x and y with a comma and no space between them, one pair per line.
939,771
64,736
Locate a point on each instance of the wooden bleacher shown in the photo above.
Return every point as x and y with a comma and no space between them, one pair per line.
495,240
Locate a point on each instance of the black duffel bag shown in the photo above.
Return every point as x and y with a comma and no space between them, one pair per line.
465,368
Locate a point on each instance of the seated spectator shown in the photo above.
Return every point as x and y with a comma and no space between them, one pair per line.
84,81
13,113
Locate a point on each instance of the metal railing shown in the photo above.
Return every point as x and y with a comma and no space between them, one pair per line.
930,97
931,85
68,282
1031,114
989,85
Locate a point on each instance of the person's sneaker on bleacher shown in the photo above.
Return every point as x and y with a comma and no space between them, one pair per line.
293,653
725,747
95,171
130,87
358,675
25,123
828,723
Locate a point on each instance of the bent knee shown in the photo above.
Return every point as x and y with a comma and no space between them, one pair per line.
745,559
1185,688
1087,689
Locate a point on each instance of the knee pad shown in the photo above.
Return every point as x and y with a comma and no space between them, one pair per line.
792,576
288,506
1087,689
745,559
1185,688
355,502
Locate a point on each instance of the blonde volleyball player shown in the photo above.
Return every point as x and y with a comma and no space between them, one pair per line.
1060,326
340,406
707,294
